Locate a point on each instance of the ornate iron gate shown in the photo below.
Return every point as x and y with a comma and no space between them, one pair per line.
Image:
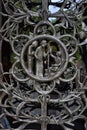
45,87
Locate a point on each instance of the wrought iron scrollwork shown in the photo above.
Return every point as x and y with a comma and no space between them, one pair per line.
45,86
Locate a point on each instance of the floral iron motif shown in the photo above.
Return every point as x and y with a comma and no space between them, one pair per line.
45,85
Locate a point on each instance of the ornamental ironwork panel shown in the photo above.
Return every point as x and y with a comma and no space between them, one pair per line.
45,87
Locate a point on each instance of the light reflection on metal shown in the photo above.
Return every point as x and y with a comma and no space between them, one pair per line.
44,60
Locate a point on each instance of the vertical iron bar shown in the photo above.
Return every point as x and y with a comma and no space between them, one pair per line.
44,113
45,9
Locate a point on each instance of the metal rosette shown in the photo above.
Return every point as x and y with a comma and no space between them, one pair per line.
45,86
41,56
46,60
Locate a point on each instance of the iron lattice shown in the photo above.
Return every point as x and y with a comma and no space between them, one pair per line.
45,86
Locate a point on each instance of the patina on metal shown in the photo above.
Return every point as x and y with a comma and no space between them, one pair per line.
45,85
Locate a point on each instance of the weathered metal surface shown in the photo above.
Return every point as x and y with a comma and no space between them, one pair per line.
45,85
